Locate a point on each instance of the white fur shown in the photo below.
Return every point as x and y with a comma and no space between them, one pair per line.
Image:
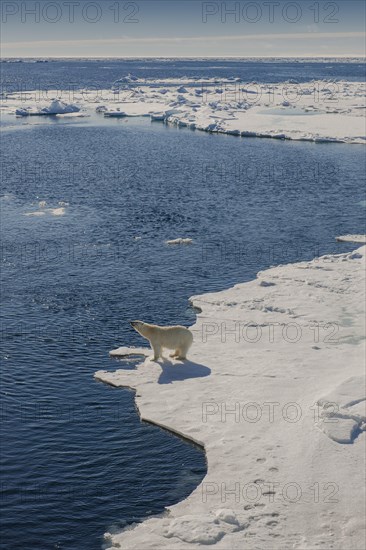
177,338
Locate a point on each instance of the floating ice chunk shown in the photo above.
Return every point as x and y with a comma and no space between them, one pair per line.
37,213
22,112
180,241
60,211
352,239
56,107
126,351
115,114
57,211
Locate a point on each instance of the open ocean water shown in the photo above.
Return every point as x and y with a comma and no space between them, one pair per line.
76,460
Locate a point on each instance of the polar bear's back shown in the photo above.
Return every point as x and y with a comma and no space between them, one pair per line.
171,337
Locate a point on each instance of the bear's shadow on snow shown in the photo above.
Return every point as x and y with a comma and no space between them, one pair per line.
175,372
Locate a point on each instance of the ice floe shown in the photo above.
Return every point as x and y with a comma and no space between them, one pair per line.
180,240
57,107
60,210
317,111
273,360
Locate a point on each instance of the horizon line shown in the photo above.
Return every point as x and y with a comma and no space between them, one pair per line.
310,56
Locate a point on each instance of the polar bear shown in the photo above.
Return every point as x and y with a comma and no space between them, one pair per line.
177,338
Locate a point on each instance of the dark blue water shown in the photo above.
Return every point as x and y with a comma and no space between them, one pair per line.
100,74
76,460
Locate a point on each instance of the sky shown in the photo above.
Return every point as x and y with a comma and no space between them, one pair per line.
182,28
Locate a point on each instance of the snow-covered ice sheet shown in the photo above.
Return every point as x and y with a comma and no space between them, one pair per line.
317,111
267,358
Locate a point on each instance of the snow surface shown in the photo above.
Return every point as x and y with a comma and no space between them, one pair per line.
272,359
342,412
318,111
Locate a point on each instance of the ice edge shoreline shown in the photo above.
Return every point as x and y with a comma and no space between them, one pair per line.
176,433
103,377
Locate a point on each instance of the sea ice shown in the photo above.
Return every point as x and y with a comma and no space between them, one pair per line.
57,107
254,110
125,351
180,241
263,353
352,238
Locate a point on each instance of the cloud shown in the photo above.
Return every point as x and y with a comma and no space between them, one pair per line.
184,39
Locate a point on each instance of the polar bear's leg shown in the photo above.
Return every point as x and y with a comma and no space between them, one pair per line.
174,354
157,351
181,353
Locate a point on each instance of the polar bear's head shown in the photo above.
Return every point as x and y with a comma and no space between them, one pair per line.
140,327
